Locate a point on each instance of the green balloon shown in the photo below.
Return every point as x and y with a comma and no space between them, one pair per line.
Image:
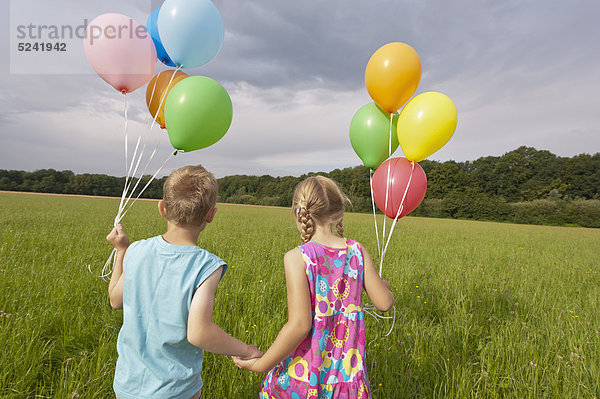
198,113
370,135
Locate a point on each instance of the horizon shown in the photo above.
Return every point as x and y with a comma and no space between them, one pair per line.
320,171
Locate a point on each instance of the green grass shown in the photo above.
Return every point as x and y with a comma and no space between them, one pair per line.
483,309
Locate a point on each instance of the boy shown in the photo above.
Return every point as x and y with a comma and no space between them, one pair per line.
166,287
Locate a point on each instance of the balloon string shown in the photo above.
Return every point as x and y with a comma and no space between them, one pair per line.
127,192
145,168
108,266
126,162
387,189
164,95
151,98
129,177
137,163
148,183
374,215
400,208
135,159
110,262
370,310
149,159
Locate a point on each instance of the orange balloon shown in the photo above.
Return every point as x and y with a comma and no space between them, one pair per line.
393,75
156,90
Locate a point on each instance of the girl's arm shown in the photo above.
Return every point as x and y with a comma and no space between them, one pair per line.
377,289
203,333
120,241
299,317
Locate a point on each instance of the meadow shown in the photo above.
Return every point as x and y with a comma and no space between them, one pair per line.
483,310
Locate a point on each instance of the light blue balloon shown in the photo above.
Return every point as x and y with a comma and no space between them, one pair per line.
191,31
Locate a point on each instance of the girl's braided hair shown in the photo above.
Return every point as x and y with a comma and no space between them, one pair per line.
318,199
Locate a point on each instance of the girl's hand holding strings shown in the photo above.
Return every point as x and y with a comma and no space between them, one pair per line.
118,238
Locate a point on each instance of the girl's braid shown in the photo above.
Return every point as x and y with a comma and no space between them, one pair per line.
340,228
306,223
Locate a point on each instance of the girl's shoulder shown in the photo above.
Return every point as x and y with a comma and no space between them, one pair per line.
294,252
352,243
353,246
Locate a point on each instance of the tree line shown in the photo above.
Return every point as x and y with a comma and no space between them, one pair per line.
523,186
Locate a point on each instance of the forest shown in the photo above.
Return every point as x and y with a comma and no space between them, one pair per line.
525,185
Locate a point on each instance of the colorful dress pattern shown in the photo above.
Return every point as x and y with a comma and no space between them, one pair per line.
330,362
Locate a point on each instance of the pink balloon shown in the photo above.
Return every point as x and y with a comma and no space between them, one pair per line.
399,175
120,51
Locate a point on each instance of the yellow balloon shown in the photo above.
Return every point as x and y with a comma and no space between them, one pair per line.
393,75
425,124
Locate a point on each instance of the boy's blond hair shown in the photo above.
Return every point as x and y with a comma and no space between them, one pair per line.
318,199
189,193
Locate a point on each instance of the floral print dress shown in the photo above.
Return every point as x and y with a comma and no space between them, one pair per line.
330,362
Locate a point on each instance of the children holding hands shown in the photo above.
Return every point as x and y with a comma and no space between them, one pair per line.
166,287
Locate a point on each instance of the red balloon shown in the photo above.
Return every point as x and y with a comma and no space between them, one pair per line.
399,175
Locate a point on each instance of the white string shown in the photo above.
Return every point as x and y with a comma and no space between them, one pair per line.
387,187
126,163
148,183
132,178
164,95
151,98
400,208
129,177
145,169
126,125
122,206
109,264
374,216
370,310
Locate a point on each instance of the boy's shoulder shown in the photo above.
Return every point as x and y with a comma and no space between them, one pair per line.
159,246
144,243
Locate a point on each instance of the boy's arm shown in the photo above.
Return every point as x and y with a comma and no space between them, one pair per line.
377,289
205,334
299,317
120,241
115,287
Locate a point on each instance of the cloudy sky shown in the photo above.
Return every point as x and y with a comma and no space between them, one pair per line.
523,72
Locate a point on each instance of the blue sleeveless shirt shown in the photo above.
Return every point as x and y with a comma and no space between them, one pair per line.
155,358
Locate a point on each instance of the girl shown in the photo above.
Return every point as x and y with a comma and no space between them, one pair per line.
320,351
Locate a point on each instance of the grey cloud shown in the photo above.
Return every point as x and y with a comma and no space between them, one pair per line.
520,72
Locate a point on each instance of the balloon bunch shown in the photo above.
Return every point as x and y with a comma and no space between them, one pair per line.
423,126
196,111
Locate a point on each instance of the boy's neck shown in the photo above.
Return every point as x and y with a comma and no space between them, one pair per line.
182,235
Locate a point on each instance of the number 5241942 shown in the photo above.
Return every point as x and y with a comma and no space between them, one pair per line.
42,46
